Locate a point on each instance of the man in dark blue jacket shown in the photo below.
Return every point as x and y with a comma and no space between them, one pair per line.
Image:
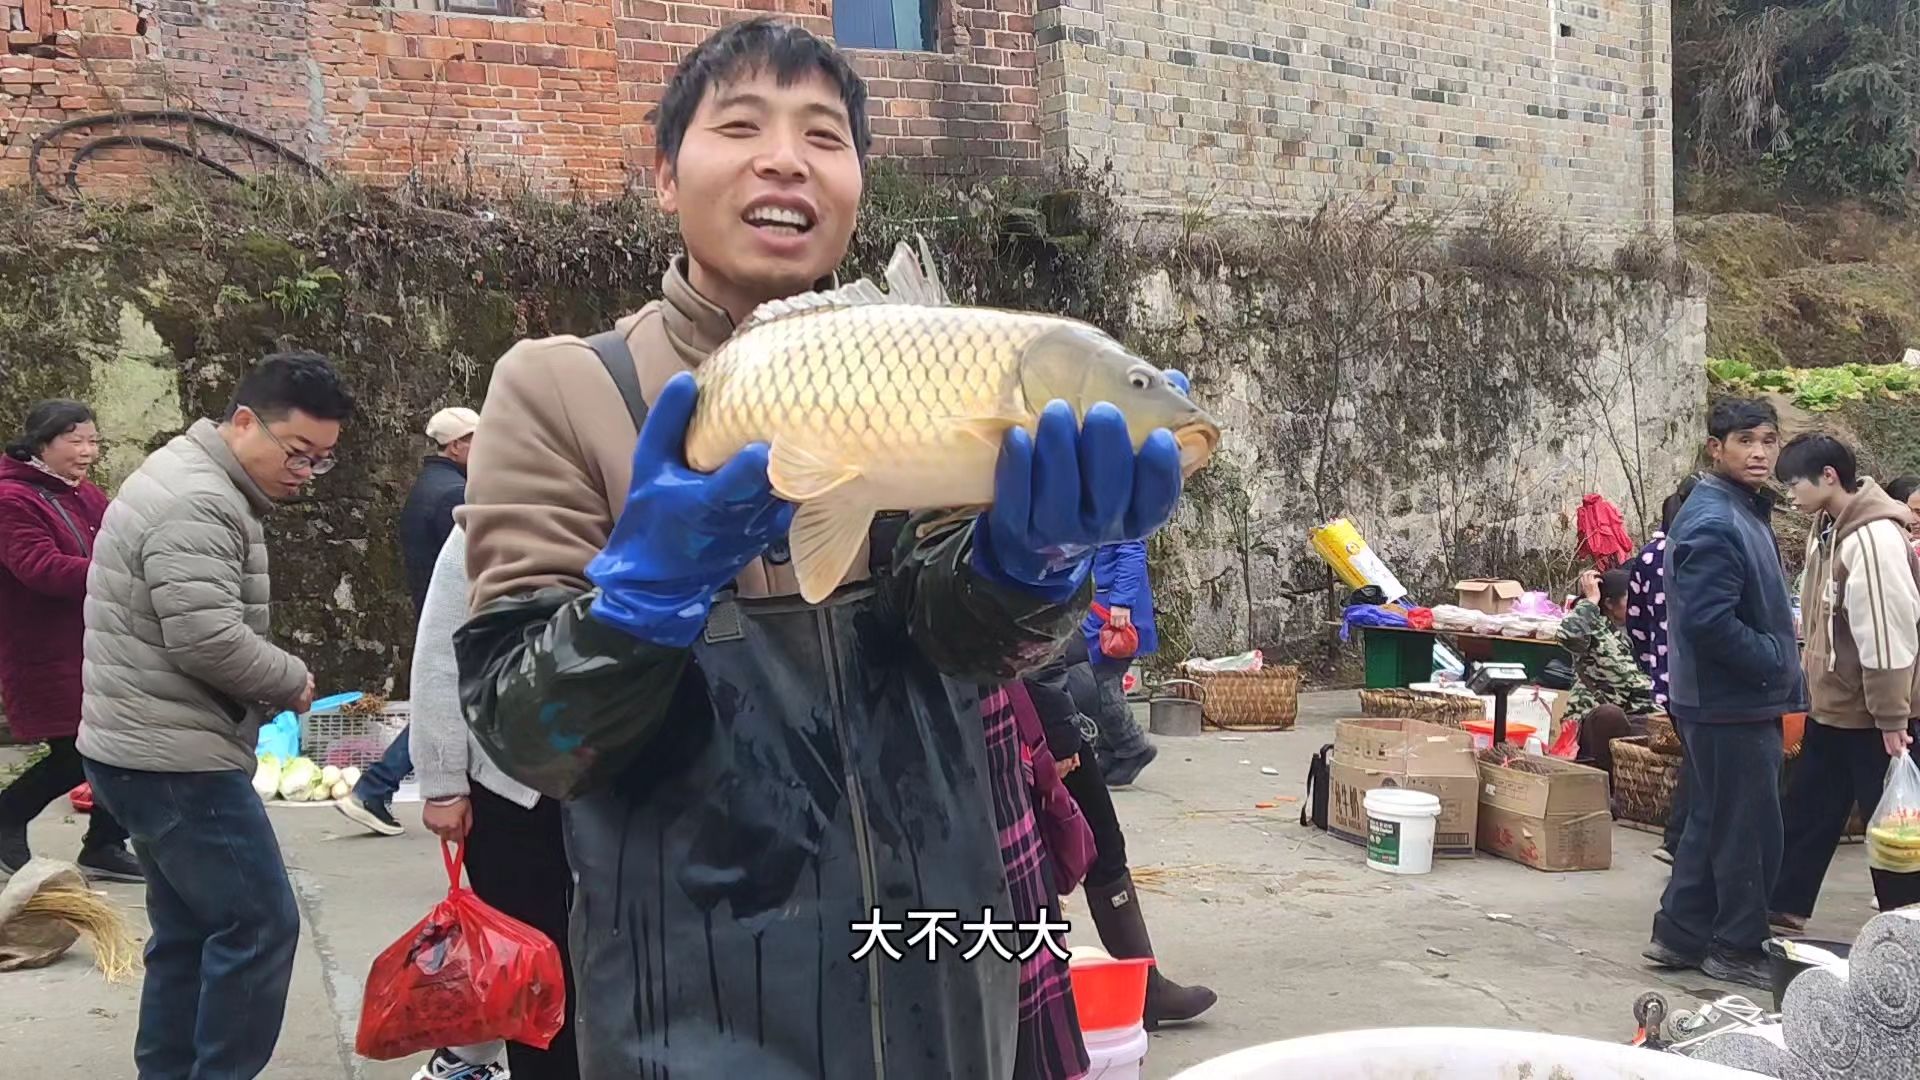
1733,671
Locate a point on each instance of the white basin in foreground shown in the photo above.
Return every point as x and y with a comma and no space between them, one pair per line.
1452,1054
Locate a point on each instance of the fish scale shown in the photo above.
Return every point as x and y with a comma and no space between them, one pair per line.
872,401
882,376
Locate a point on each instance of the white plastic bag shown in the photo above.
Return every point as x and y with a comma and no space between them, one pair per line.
1893,836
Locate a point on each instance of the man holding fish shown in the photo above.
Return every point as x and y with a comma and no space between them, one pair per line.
753,677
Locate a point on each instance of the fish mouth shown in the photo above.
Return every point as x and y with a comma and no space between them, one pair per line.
1197,442
781,215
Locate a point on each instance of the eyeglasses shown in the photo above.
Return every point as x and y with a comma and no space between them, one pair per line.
320,466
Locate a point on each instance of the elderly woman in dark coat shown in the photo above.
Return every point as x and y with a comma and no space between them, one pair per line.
49,513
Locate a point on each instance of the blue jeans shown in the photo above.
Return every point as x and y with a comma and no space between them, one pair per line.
1730,852
223,916
382,778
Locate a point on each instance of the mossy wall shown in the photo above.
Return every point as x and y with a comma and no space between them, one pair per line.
1454,391
1809,288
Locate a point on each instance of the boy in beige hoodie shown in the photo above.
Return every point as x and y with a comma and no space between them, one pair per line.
1860,614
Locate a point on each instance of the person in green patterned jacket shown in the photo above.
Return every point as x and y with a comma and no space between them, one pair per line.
1611,695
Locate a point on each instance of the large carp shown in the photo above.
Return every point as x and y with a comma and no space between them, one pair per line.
872,401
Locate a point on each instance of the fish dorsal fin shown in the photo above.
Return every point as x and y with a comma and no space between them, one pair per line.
915,283
912,282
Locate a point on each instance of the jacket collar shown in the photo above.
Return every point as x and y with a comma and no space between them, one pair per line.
695,325
1761,503
27,473
205,434
442,461
1870,504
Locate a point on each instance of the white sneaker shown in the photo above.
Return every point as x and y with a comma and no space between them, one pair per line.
443,1065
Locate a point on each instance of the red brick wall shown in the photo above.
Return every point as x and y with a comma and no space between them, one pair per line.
554,98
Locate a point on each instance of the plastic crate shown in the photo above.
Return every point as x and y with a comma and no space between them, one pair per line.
345,739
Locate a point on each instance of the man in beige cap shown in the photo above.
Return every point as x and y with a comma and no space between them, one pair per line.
425,522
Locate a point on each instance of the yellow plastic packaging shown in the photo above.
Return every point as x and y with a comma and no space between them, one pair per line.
1342,547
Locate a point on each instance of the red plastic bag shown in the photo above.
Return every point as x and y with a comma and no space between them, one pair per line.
467,973
82,798
1116,642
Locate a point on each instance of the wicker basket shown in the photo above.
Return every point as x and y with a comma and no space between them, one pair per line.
1449,710
1264,700
1643,781
1661,738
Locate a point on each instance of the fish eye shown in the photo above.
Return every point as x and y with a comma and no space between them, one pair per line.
1141,380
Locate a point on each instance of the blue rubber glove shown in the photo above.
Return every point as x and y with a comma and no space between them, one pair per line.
682,534
1067,490
1179,380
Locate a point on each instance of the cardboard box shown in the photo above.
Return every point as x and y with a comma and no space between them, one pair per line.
1548,814
1494,596
1372,754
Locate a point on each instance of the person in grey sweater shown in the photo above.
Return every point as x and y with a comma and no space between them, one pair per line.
516,857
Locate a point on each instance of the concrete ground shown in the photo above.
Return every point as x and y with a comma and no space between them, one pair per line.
1288,925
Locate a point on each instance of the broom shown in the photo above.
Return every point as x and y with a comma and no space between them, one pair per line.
115,952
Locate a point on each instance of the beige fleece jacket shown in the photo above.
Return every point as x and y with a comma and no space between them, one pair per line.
1860,605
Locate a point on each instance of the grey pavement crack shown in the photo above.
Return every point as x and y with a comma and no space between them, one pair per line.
306,892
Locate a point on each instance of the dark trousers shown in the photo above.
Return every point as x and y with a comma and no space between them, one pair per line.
1089,789
224,921
48,779
517,862
1598,729
1676,815
1729,857
1837,770
1120,733
382,778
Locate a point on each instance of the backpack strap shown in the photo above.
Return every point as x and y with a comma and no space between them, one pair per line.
611,347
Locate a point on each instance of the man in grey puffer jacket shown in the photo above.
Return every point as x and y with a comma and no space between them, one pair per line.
178,674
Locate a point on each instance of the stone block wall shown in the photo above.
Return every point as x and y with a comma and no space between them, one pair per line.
551,95
1442,486
1276,105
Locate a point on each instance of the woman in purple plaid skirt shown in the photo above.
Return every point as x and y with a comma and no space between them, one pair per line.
1049,1044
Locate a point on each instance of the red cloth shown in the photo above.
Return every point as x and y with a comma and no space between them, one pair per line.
1603,534
43,587
1420,618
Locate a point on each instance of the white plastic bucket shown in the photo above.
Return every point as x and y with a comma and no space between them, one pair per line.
1451,1054
1400,827
1115,1053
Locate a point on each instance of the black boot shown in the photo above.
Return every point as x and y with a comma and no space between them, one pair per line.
110,862
13,849
1122,771
1123,932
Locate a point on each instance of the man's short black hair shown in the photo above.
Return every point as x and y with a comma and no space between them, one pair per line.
287,381
1903,487
743,49
1807,456
1730,415
1613,586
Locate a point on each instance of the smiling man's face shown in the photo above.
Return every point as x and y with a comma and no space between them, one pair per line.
766,185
